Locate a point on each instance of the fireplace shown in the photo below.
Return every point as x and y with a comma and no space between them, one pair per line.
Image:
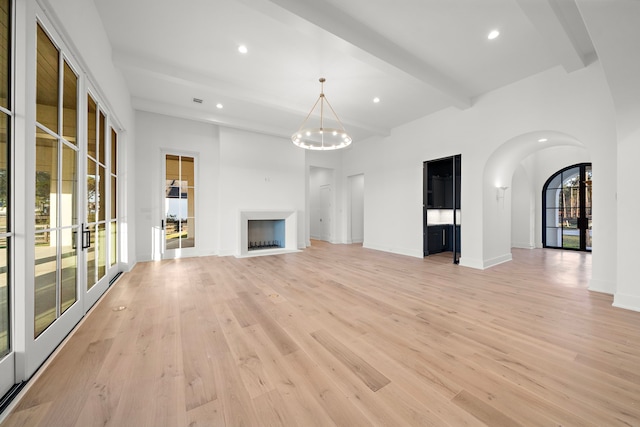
265,234
268,232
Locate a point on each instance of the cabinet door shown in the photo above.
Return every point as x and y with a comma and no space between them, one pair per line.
435,239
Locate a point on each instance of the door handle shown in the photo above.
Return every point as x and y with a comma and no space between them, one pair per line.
162,224
86,237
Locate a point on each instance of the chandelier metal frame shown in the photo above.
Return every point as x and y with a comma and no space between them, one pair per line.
321,138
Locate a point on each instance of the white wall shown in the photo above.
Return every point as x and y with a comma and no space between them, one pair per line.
258,172
576,104
355,232
155,133
522,210
615,32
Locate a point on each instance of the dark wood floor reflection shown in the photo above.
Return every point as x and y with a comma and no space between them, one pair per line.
341,335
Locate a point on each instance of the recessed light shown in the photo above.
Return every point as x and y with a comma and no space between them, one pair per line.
376,100
543,140
493,34
219,106
242,49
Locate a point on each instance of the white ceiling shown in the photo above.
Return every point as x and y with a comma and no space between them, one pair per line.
417,56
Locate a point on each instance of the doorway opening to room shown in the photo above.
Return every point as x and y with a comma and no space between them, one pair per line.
566,209
441,206
321,204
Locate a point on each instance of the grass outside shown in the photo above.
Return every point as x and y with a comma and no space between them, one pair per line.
571,242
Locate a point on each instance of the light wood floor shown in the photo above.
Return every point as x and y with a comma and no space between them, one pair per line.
341,335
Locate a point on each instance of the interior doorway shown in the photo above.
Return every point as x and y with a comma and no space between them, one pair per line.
321,203
325,213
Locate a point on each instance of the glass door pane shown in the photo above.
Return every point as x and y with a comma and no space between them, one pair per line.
102,251
172,202
570,208
587,207
69,268
92,275
46,274
187,203
47,81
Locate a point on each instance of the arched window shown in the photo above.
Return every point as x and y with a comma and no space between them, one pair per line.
566,209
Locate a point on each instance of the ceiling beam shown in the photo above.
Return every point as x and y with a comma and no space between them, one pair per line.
364,43
561,27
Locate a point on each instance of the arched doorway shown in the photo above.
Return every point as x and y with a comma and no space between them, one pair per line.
566,209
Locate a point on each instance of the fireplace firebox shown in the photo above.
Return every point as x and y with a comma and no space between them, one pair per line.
268,232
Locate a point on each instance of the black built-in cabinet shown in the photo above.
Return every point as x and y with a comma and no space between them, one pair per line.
441,188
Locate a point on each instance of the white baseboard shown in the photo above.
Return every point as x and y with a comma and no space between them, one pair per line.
522,245
488,263
602,286
629,302
471,263
399,251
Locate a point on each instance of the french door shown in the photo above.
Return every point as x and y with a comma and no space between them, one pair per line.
56,253
95,228
179,214
567,214
75,192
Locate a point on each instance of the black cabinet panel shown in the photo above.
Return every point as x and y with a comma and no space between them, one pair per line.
439,183
439,238
436,238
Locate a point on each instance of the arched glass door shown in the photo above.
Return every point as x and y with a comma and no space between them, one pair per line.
566,204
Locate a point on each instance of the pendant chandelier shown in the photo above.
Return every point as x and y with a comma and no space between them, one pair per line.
322,137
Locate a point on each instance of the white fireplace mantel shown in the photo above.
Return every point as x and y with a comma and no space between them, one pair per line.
290,218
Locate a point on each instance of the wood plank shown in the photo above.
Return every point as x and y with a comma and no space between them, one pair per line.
241,312
373,378
280,338
244,353
32,416
484,412
334,402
